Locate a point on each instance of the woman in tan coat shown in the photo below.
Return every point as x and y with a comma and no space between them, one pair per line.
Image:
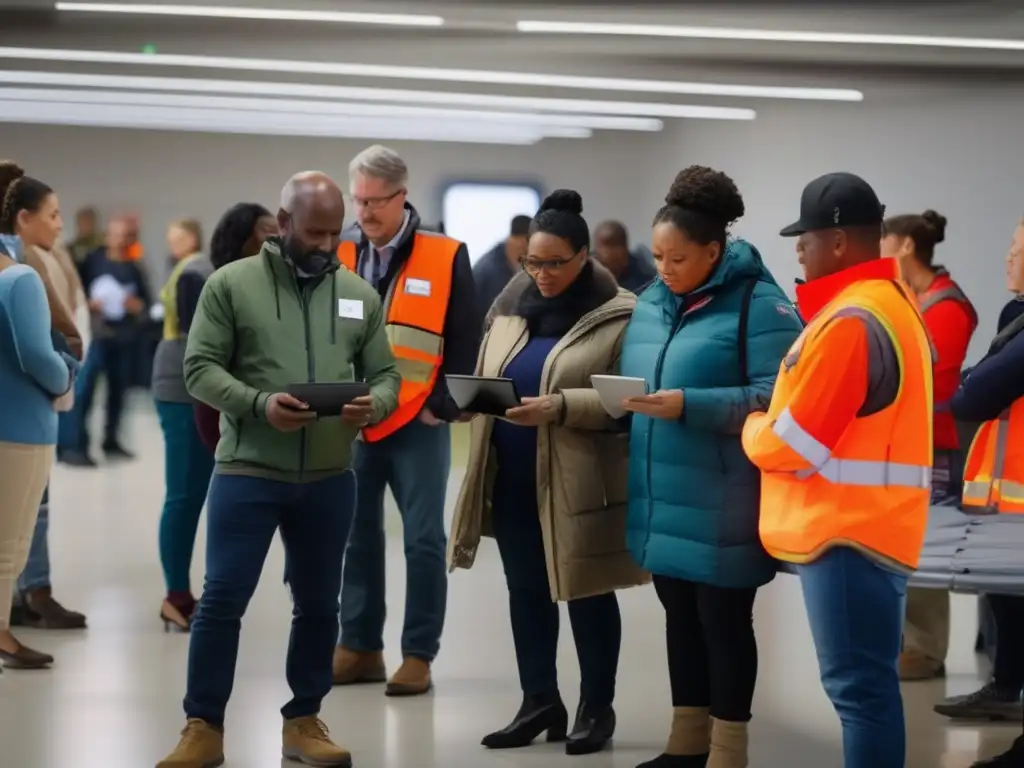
548,481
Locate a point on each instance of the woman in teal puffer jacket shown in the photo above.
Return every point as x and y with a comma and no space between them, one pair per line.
708,337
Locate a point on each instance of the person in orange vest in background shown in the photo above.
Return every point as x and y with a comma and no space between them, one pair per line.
992,392
434,325
845,451
951,321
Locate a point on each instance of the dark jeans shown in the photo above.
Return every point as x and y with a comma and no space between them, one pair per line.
187,468
712,652
37,568
243,514
113,359
414,462
1008,616
596,624
856,608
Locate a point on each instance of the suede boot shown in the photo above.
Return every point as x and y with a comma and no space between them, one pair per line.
689,741
728,745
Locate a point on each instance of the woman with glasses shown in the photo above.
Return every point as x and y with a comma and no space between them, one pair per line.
548,480
708,336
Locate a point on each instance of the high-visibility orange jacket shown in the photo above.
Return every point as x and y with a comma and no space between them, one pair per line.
951,321
994,475
415,307
845,448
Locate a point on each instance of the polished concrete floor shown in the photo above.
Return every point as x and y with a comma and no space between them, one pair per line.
113,698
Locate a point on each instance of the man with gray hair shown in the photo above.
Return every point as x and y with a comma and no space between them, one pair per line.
433,322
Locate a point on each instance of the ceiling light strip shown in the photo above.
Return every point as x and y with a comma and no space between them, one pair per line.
766,35
229,121
355,93
322,108
262,14
431,73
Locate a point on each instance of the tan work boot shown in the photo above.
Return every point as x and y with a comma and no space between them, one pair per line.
306,739
355,668
728,745
201,746
691,732
914,665
411,679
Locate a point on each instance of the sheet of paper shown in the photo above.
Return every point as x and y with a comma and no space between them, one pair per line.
111,295
614,389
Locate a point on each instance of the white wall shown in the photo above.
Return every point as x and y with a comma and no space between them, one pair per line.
955,149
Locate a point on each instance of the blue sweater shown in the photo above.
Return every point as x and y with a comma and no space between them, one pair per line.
694,497
32,372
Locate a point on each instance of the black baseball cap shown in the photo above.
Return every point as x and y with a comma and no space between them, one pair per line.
836,200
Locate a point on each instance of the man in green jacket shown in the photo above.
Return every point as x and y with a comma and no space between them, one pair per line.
289,315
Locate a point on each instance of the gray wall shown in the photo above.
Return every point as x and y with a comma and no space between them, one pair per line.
955,149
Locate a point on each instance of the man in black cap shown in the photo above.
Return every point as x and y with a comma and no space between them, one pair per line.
846,450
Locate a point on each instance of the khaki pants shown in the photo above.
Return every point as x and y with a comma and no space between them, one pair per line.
927,625
24,471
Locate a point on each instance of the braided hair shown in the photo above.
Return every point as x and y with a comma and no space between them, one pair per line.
18,193
233,231
561,215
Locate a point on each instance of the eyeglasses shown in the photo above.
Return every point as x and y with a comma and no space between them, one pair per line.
534,266
374,203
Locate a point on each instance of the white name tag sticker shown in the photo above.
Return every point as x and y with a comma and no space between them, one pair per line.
416,287
350,308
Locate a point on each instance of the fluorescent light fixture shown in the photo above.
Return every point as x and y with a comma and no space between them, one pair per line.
343,69
316,109
355,93
263,14
260,124
767,35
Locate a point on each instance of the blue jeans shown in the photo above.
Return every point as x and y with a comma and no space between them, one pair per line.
856,608
110,357
37,569
187,469
414,461
242,516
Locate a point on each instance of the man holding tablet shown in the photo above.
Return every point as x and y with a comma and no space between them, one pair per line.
273,323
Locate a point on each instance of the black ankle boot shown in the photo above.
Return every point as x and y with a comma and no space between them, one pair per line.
536,715
592,731
676,761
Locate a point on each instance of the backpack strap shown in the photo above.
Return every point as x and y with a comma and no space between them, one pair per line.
748,295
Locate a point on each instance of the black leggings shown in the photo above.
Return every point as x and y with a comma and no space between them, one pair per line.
1008,616
712,653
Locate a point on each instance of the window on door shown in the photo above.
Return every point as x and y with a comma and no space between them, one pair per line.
479,214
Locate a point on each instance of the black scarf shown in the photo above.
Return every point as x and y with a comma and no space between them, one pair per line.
554,317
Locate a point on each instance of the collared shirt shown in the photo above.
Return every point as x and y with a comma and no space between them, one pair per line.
375,266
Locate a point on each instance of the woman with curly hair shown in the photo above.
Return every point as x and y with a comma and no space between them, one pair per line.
708,337
187,463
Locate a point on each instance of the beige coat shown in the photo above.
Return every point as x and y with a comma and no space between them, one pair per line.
581,461
59,273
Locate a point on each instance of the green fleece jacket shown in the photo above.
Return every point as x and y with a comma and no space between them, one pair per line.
259,328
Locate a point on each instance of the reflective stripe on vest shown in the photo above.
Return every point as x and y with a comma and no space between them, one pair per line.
987,487
950,292
415,308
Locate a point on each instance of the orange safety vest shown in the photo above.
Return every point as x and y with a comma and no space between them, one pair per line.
994,476
871,491
415,308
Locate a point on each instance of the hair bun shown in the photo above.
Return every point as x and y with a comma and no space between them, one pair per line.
711,192
568,200
937,222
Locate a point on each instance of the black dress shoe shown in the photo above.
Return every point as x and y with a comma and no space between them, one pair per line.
592,731
535,716
1013,758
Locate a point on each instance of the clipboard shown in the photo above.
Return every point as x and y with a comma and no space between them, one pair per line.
486,395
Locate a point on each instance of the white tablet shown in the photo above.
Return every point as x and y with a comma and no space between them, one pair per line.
614,389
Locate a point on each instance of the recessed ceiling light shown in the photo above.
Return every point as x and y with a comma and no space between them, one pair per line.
767,35
328,108
264,14
395,96
490,77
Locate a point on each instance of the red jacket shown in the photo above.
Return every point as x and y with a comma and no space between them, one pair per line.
951,320
208,423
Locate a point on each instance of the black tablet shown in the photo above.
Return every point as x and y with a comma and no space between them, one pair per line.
491,396
327,399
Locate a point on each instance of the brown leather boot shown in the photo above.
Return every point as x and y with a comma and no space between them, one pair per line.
355,668
914,665
201,746
43,612
728,745
307,740
411,679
